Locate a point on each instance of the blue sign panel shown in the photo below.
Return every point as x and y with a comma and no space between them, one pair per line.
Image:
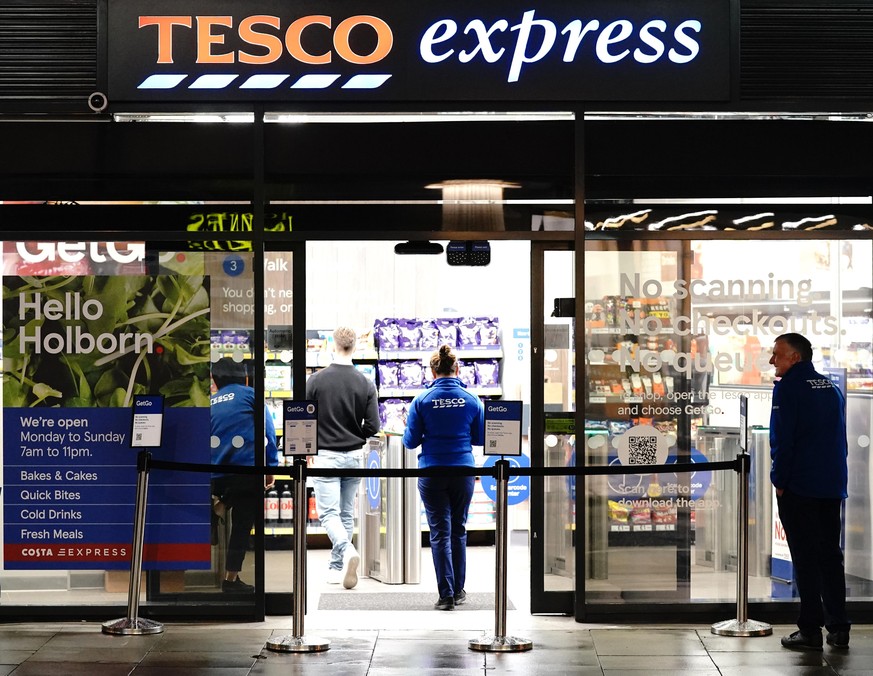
70,479
374,483
79,351
518,489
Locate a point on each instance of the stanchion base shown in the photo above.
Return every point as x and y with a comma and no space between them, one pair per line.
298,644
127,626
737,628
500,644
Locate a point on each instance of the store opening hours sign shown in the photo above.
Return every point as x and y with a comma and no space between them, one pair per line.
70,422
603,50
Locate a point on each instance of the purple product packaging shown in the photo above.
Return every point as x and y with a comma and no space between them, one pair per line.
448,329
409,334
468,332
387,334
228,339
392,413
430,335
487,372
489,331
242,339
411,375
388,374
467,373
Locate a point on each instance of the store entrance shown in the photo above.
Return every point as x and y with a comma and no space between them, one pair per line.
403,306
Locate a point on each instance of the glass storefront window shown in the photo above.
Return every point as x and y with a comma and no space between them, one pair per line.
676,332
86,327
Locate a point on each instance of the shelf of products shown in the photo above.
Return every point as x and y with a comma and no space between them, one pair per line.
404,348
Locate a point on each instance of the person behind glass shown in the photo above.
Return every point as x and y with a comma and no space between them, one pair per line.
233,443
348,413
809,471
446,421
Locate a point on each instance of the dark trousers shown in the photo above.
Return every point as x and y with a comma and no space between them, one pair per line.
244,496
812,528
446,502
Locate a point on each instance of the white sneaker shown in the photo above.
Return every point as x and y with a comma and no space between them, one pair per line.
351,559
334,576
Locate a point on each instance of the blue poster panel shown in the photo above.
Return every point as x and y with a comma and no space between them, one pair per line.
76,352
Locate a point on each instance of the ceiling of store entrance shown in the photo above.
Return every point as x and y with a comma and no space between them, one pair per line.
387,162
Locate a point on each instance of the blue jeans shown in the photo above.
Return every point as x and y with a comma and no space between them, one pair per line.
335,500
446,502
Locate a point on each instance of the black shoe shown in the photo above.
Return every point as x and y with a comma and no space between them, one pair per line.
237,586
802,641
445,603
460,597
838,639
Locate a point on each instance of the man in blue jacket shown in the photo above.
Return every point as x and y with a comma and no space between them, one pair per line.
809,471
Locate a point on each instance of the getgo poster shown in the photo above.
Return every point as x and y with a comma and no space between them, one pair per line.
76,349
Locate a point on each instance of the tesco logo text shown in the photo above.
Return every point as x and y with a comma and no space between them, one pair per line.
448,402
264,34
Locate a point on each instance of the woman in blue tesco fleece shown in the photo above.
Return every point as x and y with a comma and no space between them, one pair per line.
446,421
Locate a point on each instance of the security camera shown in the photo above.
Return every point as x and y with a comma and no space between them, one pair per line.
98,102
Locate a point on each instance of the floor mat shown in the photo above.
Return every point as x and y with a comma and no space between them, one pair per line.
352,600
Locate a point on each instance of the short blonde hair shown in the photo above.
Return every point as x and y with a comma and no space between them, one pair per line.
345,339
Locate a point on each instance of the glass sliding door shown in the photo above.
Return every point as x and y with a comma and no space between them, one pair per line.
553,428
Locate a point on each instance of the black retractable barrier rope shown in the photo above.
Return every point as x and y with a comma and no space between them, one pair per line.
413,473
500,472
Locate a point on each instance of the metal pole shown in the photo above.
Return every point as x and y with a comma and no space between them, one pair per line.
501,553
299,643
742,625
133,624
298,578
500,642
743,542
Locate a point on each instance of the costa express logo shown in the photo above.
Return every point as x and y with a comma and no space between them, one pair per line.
320,40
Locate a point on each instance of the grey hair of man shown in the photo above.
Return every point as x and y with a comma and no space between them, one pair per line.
799,344
345,339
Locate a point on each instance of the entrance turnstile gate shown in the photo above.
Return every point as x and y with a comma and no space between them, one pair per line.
390,517
716,529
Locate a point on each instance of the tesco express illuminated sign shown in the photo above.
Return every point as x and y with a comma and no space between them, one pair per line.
418,51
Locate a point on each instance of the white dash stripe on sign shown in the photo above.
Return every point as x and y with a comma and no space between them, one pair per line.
314,81
162,81
366,81
213,81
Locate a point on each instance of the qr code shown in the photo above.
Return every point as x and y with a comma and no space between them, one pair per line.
492,443
138,436
643,450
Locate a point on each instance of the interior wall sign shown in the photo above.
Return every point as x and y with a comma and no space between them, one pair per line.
358,51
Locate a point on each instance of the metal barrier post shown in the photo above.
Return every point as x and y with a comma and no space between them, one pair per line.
133,624
500,642
298,643
742,625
